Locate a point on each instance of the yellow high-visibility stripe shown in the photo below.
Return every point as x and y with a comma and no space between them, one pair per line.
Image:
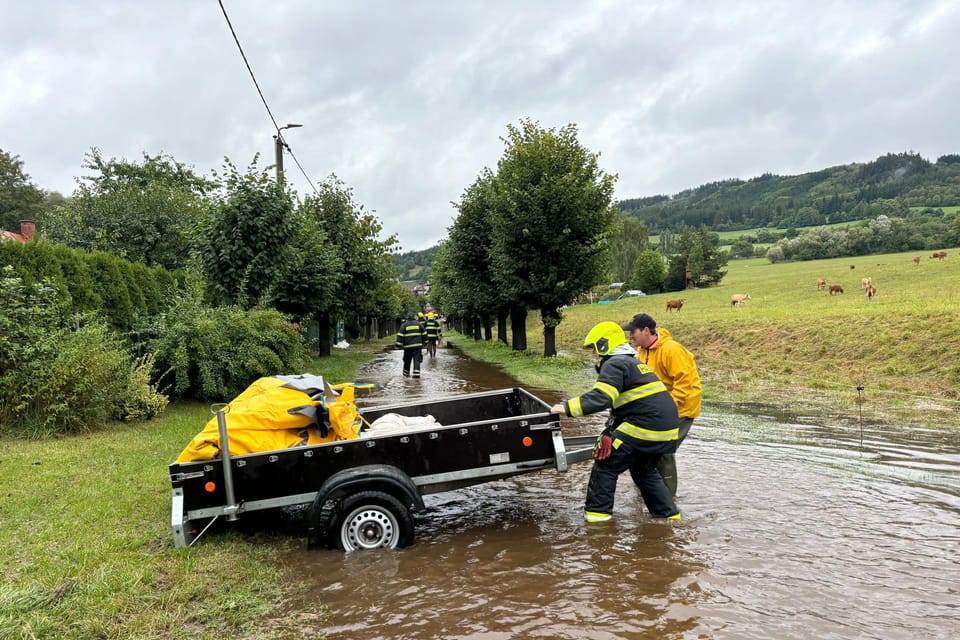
650,435
594,516
608,389
574,408
640,392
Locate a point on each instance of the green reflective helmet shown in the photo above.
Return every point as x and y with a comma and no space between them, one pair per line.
604,338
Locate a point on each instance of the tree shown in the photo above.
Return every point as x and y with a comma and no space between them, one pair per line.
552,217
649,272
20,199
145,212
468,275
367,262
247,242
627,241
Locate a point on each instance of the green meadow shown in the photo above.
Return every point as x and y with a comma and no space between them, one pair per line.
791,342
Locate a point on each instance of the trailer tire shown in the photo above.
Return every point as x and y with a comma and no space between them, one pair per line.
372,519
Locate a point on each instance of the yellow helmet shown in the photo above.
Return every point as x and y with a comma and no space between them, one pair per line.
604,338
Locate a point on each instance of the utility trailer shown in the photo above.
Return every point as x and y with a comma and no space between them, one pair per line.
361,493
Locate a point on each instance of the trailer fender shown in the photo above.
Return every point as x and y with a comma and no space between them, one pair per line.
373,477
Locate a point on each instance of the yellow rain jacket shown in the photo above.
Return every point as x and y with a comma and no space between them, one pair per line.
280,412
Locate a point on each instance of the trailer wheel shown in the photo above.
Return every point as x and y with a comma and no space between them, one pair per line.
372,519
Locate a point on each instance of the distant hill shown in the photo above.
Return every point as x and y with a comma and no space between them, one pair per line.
837,194
416,266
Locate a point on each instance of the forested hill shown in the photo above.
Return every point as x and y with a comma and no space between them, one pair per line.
415,266
888,185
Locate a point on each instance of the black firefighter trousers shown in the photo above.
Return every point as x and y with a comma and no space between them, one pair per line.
643,470
412,357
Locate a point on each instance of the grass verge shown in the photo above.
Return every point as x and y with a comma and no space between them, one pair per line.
87,549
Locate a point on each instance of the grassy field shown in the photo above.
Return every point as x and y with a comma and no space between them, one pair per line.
87,551
791,342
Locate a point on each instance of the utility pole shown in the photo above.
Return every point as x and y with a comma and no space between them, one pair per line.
279,144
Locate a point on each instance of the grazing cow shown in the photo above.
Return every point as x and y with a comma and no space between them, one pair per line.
916,261
675,304
939,255
865,282
821,284
870,291
835,288
739,298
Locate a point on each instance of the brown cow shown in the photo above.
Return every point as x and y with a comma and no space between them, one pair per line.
870,291
821,284
675,304
835,288
939,255
916,261
739,298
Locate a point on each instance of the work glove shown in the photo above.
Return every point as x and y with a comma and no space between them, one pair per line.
604,447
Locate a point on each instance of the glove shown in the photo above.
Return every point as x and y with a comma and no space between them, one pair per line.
604,447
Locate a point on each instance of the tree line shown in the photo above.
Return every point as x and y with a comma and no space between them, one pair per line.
259,263
858,191
542,230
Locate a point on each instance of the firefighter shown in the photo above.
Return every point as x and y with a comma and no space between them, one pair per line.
410,338
641,428
434,334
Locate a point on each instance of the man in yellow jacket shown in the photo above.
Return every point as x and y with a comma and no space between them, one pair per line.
677,369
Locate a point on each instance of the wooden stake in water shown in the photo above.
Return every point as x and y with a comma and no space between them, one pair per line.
860,404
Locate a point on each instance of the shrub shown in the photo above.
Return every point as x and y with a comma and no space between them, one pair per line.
213,354
57,379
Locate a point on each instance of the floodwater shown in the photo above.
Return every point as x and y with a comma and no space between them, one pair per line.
805,528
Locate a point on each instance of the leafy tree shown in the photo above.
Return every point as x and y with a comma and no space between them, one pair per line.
649,272
145,212
367,261
553,213
20,199
628,240
246,245
468,269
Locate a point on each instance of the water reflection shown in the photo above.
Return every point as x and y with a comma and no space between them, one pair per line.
792,529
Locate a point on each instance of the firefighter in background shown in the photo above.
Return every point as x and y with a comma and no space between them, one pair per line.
410,338
434,334
641,428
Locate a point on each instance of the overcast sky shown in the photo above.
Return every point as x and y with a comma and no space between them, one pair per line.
407,101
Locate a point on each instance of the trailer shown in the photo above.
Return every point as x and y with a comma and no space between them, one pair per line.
362,493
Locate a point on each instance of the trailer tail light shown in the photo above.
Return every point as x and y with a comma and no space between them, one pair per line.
527,441
210,487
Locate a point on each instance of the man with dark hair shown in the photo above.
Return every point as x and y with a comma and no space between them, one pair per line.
410,338
676,367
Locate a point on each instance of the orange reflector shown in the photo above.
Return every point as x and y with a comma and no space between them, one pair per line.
210,487
527,441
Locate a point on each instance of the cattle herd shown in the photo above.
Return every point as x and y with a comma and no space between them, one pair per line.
866,284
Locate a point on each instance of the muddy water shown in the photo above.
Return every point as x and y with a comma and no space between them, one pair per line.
800,528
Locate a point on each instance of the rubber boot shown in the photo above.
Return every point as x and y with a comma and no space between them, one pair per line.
668,471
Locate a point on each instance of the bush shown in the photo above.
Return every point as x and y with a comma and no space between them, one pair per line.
58,379
213,354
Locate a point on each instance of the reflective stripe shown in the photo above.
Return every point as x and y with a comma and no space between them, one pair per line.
642,391
574,408
648,434
608,389
594,516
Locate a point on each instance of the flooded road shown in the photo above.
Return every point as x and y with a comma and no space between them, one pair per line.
791,529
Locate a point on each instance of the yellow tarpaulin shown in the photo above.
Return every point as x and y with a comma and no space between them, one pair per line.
280,412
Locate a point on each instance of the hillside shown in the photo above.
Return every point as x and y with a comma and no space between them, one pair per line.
416,266
889,185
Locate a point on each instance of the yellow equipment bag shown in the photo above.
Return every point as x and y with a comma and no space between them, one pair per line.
281,412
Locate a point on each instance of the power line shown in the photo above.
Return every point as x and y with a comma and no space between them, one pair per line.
253,77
